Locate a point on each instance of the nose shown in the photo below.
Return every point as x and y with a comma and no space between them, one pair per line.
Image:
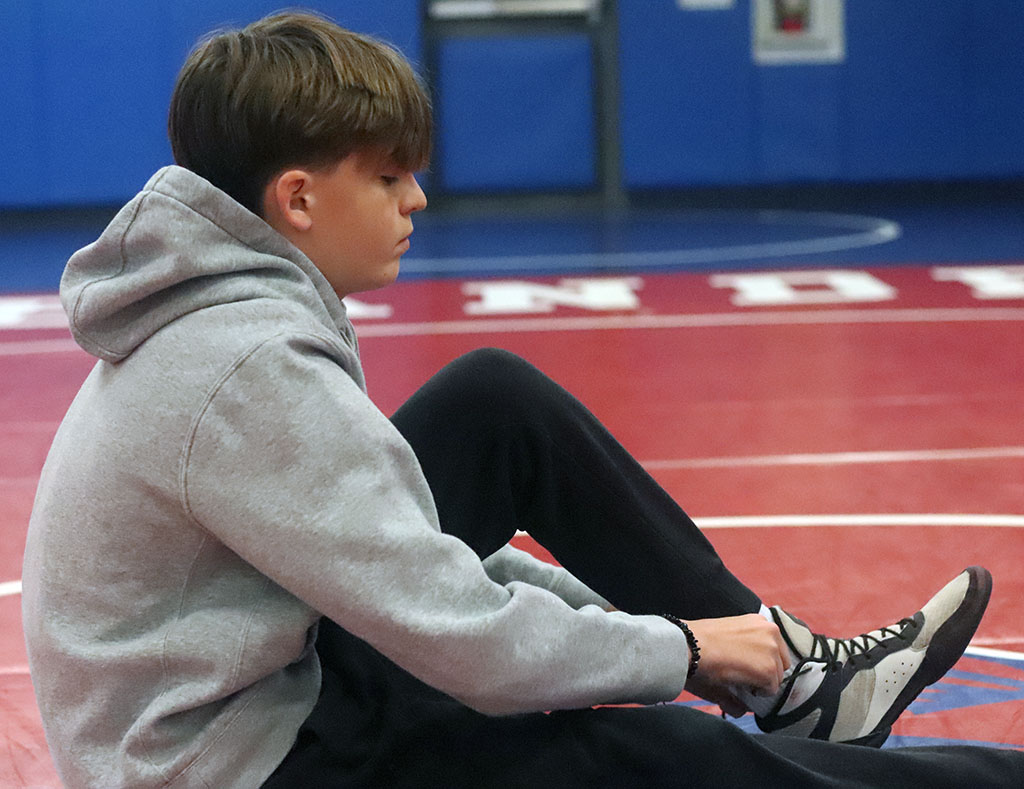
414,198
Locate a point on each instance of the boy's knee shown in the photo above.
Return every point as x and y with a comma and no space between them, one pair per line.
492,382
496,370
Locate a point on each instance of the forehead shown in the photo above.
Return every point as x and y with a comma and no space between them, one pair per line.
369,161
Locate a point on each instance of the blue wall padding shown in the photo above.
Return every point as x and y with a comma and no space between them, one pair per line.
86,104
906,89
995,88
687,95
790,142
103,76
22,146
927,91
516,113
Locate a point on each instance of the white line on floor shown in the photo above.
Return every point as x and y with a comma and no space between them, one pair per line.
705,320
838,458
994,653
876,519
867,231
884,519
627,321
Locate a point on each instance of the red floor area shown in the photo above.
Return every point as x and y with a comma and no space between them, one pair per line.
895,392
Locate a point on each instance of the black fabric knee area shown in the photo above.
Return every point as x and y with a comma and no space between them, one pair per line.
492,379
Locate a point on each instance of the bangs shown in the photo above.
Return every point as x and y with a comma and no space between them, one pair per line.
397,122
375,100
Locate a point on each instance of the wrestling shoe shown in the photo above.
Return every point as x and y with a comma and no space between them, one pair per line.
852,690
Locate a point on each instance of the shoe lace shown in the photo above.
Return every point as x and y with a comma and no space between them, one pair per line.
837,651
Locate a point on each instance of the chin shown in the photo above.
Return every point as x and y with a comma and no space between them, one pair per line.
386,278
390,275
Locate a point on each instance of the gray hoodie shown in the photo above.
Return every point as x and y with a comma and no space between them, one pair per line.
220,482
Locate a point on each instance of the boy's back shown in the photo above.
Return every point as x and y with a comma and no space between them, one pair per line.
118,571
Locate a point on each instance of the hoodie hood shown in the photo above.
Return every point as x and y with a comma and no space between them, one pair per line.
177,247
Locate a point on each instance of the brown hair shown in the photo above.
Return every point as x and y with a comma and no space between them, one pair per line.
293,89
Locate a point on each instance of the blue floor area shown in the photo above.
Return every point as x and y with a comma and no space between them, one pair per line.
35,247
700,240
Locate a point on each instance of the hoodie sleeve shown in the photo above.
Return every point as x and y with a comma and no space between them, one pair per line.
509,564
292,467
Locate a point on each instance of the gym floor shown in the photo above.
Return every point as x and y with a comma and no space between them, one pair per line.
835,396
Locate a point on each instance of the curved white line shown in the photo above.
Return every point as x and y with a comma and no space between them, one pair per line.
803,521
837,458
884,519
623,322
980,651
875,519
9,588
869,231
706,320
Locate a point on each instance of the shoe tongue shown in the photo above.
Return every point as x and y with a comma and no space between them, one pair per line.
799,636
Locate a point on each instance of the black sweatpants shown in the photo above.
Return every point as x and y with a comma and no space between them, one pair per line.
504,448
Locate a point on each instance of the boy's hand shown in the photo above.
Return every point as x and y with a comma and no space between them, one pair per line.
745,650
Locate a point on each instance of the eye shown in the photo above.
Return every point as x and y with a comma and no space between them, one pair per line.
389,180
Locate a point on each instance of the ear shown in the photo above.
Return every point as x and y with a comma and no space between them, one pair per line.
287,200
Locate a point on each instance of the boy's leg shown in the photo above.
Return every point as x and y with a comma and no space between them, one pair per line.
377,726
504,448
670,746
494,426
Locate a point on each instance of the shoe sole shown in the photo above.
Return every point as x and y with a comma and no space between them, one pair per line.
940,657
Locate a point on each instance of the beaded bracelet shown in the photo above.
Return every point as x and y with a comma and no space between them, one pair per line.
691,642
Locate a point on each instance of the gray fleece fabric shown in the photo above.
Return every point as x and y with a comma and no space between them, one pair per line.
220,482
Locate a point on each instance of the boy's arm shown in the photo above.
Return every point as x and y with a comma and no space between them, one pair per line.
293,468
511,564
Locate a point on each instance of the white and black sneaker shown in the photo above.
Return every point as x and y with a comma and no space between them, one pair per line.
852,690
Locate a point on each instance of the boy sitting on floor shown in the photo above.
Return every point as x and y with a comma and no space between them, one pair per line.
240,573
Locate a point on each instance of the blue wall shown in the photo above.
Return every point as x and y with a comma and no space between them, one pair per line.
530,125
928,90
86,105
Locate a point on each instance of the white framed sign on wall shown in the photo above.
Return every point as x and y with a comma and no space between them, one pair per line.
798,31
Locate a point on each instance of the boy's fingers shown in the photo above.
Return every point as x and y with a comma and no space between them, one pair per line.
732,706
787,660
